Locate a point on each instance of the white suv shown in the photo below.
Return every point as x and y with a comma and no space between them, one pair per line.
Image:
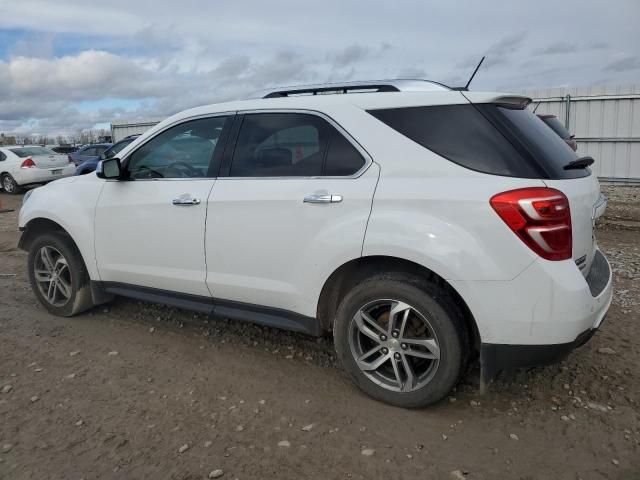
423,226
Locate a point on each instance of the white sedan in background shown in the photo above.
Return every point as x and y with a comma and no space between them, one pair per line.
26,165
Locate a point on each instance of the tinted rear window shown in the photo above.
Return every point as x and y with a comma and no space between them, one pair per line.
557,127
29,151
487,138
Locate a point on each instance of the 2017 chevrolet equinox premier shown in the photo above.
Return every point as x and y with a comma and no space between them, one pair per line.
421,225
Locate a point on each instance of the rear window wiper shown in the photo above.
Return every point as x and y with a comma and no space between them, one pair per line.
582,162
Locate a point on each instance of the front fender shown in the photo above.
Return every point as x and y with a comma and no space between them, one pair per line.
70,203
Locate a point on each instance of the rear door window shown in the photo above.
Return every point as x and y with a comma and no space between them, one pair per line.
292,145
487,138
280,145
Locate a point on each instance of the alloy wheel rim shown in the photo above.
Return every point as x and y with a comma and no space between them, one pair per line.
8,185
394,345
52,275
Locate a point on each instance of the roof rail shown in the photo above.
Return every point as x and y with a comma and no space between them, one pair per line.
400,85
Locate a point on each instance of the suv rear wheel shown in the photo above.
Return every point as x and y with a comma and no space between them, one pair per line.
58,275
401,340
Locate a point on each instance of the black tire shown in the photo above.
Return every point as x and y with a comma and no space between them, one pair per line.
9,185
427,299
79,299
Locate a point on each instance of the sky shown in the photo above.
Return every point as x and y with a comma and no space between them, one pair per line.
68,65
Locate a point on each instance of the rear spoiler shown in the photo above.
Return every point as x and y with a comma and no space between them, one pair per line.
519,102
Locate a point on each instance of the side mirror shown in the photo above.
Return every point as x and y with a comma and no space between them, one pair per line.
109,169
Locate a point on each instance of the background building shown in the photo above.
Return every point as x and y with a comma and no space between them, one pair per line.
124,128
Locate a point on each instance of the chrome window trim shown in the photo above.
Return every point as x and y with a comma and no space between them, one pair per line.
367,157
368,160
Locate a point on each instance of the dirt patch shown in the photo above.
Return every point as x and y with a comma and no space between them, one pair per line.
120,391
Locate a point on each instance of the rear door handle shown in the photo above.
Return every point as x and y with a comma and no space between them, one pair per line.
322,198
185,201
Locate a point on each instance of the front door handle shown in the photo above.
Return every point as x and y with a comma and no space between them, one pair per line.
322,198
185,201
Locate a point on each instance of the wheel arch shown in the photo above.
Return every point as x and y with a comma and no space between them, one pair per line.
356,270
38,226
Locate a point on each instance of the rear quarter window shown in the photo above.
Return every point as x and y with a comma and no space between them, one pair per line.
486,138
342,158
535,140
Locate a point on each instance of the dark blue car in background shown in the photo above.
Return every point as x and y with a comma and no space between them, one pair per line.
90,164
88,152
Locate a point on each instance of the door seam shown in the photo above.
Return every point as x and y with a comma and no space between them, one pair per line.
95,212
204,237
373,196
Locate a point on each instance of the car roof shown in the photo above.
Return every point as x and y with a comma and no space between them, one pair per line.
363,101
23,146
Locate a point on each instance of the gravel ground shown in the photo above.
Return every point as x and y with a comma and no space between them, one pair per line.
136,390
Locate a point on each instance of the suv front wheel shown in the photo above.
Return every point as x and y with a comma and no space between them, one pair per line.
401,340
58,275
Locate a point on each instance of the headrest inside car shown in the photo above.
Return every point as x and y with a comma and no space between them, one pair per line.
274,157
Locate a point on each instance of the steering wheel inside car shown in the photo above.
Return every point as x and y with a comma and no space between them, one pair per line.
147,172
182,170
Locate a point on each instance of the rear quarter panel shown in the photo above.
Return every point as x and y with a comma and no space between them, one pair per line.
434,212
448,226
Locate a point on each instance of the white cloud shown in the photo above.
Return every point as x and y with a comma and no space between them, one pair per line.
167,56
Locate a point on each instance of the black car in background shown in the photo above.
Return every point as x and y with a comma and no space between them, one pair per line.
64,149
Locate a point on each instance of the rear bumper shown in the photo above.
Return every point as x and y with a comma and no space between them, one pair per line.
498,357
573,311
27,176
549,303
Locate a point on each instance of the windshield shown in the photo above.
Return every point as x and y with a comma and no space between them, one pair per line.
113,151
31,151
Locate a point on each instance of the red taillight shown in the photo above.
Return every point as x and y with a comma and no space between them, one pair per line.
28,163
540,217
70,159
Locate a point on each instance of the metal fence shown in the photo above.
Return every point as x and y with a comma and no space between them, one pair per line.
606,123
